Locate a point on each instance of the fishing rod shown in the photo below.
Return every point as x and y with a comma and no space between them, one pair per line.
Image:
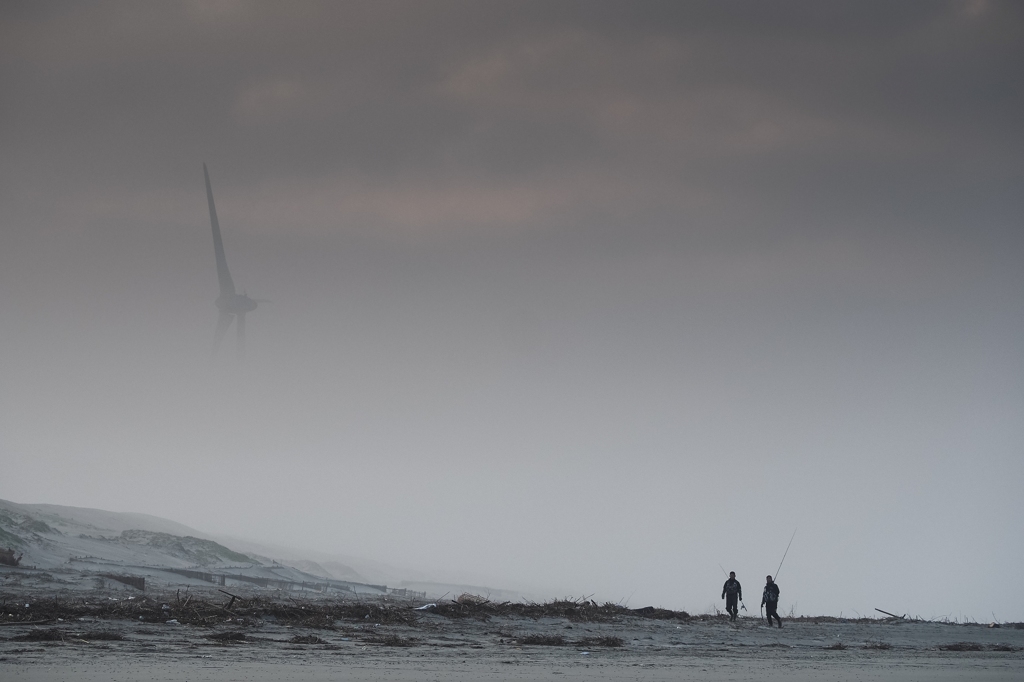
784,556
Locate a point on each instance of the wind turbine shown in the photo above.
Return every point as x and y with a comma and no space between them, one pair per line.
232,306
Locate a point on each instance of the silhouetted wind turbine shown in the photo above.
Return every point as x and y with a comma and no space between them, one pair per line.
232,306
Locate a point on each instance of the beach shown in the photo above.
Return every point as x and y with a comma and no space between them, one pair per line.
482,641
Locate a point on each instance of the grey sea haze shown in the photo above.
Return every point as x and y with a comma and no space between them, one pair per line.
589,298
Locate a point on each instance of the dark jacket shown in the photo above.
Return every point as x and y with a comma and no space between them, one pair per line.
771,593
732,586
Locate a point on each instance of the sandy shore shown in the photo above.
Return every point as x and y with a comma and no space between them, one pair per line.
433,646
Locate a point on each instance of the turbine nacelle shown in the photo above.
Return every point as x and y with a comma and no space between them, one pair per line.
235,304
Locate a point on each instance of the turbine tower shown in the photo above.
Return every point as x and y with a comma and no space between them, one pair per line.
232,306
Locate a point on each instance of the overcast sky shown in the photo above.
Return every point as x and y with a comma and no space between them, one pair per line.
585,297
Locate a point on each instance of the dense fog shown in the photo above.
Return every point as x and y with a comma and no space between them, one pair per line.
576,298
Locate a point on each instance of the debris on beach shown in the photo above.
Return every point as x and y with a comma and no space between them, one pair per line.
189,609
306,639
227,637
390,640
609,641
573,610
47,635
542,640
560,640
192,610
961,646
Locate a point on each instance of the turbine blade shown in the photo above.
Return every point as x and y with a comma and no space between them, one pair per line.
227,287
241,334
223,322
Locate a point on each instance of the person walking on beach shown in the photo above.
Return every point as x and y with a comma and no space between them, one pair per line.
770,601
732,593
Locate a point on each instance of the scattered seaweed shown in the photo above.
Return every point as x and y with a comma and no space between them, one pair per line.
573,610
192,610
47,635
63,635
390,640
878,646
961,646
609,641
838,646
543,640
103,636
306,639
1004,647
232,636
659,614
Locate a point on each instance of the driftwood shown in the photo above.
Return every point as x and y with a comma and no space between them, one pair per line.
230,603
890,614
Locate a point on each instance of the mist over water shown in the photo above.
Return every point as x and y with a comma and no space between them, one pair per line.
580,300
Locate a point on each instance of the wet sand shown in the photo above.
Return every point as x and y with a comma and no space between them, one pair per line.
404,670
